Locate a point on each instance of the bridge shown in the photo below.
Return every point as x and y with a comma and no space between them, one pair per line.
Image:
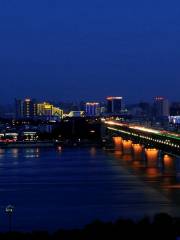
155,150
148,137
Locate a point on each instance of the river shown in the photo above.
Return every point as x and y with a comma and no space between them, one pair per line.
67,188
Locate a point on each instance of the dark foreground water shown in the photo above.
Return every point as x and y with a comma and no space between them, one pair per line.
66,189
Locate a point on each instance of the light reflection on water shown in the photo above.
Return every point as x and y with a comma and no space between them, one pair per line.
15,152
84,185
32,153
161,172
93,151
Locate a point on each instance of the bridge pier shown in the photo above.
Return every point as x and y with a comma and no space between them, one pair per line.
152,162
118,143
137,151
151,157
168,163
117,147
155,160
127,146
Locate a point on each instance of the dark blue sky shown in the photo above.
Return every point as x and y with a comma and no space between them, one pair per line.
89,49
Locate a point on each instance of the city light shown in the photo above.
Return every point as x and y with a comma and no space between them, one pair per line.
144,129
114,98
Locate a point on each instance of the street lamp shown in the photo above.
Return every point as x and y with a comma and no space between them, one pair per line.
9,210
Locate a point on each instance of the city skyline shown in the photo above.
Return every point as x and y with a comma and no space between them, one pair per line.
89,119
67,50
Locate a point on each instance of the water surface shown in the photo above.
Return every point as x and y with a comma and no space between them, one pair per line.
53,189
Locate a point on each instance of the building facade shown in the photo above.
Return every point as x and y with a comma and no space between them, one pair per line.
92,109
114,104
161,107
26,108
49,111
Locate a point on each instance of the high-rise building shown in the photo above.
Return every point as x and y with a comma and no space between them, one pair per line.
92,109
114,104
19,108
49,111
26,108
161,107
145,109
175,109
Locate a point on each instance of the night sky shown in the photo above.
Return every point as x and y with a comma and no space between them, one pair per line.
78,49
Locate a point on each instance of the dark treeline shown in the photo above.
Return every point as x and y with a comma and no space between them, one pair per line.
162,227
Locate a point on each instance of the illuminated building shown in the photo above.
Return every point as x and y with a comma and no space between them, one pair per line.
92,109
49,111
30,136
57,112
44,109
102,110
174,119
114,104
26,108
8,136
76,114
161,107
